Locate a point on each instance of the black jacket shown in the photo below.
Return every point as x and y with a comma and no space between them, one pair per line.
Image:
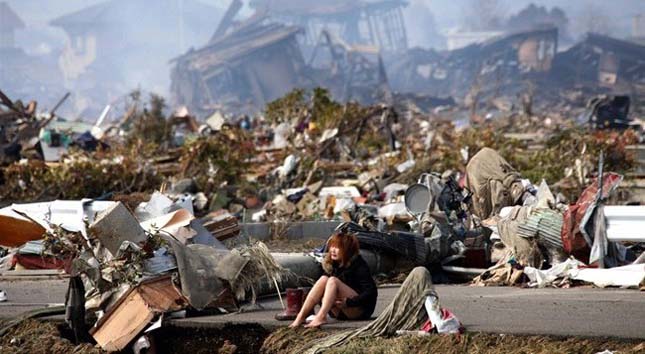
358,277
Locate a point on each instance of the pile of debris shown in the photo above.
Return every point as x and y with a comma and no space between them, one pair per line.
537,238
310,158
142,212
48,157
132,269
250,62
281,165
461,224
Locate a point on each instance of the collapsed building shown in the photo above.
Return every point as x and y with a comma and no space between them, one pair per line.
341,46
377,22
521,63
494,66
247,64
112,47
242,70
602,62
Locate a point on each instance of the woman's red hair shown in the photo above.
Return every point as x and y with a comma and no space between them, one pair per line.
347,245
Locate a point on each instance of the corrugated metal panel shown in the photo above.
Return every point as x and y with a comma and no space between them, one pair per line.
544,224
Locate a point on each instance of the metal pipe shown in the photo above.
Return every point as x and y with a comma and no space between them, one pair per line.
462,270
62,100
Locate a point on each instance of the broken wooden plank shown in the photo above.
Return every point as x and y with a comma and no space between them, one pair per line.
124,323
134,311
227,19
223,228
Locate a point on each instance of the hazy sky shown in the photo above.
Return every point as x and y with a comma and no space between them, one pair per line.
448,14
38,13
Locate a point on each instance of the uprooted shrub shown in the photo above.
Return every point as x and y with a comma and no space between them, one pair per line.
217,159
81,175
148,125
551,161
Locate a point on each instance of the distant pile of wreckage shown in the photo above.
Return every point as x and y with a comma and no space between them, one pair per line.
357,49
523,63
249,63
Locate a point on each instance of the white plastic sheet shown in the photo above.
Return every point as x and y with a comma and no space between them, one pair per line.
71,215
630,276
392,210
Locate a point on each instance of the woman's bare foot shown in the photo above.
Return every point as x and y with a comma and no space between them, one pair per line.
297,322
316,322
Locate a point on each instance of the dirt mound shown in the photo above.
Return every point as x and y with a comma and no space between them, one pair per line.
238,339
295,341
287,340
35,337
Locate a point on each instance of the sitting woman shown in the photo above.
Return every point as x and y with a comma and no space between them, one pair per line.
347,291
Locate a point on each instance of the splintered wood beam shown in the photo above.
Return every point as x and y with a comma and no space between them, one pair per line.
6,101
227,20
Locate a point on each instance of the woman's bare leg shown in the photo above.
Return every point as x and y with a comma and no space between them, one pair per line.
313,298
334,290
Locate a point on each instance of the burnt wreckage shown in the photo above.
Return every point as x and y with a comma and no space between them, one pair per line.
377,23
494,66
504,65
242,70
247,64
343,46
598,60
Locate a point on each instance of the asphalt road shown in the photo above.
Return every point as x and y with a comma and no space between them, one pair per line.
25,295
580,311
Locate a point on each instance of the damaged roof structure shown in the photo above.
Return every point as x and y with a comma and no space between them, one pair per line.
373,22
249,63
246,68
599,60
493,66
